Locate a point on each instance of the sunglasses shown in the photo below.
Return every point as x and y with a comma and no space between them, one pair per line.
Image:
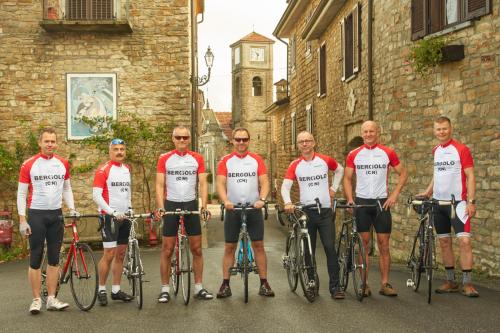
304,141
181,137
117,142
241,139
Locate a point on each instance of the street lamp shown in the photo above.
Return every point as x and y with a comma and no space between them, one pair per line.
209,60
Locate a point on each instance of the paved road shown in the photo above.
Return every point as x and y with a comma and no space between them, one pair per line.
287,312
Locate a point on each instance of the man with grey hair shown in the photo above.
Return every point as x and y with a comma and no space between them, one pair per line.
371,164
311,173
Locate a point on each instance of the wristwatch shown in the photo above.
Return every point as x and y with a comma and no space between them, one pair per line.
471,201
263,200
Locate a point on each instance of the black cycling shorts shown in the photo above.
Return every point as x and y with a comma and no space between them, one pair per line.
119,237
191,222
368,216
443,221
232,225
46,226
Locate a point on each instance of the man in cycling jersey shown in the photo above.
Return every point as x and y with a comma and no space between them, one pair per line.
453,175
242,178
44,181
178,174
311,173
112,194
371,164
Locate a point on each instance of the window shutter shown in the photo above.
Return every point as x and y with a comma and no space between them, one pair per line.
90,9
342,33
476,8
418,19
356,31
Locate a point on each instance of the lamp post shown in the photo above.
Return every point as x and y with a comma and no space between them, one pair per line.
209,61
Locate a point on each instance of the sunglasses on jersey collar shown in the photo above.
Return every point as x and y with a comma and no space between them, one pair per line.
241,139
183,137
117,142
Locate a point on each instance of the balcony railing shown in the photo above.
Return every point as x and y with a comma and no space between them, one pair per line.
86,15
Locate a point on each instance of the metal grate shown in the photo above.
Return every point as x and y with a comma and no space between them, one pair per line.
89,9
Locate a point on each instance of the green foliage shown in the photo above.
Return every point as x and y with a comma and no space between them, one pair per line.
12,253
426,54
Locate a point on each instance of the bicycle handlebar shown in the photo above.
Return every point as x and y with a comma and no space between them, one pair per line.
181,212
246,206
78,216
342,203
419,200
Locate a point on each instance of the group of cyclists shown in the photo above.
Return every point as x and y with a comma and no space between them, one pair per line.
44,182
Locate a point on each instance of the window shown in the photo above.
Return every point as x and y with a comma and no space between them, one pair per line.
309,118
293,54
89,9
283,133
294,131
322,70
256,86
237,56
430,16
351,43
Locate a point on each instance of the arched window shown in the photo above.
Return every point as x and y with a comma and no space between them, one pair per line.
257,86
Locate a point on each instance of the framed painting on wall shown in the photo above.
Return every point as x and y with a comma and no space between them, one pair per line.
91,102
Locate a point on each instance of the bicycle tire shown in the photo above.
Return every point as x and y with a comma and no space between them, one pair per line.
174,277
415,261
185,269
343,256
429,263
84,277
303,267
359,263
291,264
245,269
137,275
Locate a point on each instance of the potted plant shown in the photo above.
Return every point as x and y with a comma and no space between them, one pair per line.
430,52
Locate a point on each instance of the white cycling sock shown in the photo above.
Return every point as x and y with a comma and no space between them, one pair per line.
165,288
101,288
197,287
115,288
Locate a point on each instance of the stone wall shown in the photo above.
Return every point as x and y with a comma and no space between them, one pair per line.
405,105
152,66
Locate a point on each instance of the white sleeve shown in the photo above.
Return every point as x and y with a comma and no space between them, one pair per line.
99,200
285,190
68,195
22,194
337,177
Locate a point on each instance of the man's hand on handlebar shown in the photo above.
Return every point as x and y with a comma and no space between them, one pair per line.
158,213
228,205
289,208
205,214
259,204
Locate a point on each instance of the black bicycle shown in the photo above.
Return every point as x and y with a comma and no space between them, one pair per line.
245,263
298,260
423,253
352,258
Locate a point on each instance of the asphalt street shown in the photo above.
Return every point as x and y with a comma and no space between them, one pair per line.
287,312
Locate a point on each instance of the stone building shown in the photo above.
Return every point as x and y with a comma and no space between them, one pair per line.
349,62
149,46
252,87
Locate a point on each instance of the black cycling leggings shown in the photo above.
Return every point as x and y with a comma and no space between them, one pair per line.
45,225
324,225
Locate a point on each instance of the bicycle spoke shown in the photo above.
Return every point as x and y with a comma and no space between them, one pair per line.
84,277
137,275
245,267
415,262
306,269
344,261
358,267
185,269
290,262
429,263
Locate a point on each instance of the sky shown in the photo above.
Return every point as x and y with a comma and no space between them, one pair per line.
227,21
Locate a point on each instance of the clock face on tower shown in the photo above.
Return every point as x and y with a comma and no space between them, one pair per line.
257,54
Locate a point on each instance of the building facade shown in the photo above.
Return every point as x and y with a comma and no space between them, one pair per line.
349,62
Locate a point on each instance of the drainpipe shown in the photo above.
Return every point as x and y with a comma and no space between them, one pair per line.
370,58
194,75
287,83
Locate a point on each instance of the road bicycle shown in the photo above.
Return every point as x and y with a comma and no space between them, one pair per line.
245,263
132,263
78,266
351,253
298,260
180,267
423,253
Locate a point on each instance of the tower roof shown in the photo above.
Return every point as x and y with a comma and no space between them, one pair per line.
225,121
254,37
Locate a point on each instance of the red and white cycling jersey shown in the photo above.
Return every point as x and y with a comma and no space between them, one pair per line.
242,176
181,174
312,177
114,180
371,165
450,160
45,177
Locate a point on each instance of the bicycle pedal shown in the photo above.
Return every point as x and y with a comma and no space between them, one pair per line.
410,283
233,271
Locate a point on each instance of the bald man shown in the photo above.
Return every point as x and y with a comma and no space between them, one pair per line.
371,163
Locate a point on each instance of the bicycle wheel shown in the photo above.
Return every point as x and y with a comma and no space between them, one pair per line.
245,266
358,259
175,270
344,256
84,278
185,269
415,260
429,262
306,269
137,273
291,262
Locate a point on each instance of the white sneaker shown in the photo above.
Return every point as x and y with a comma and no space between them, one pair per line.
35,306
55,304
